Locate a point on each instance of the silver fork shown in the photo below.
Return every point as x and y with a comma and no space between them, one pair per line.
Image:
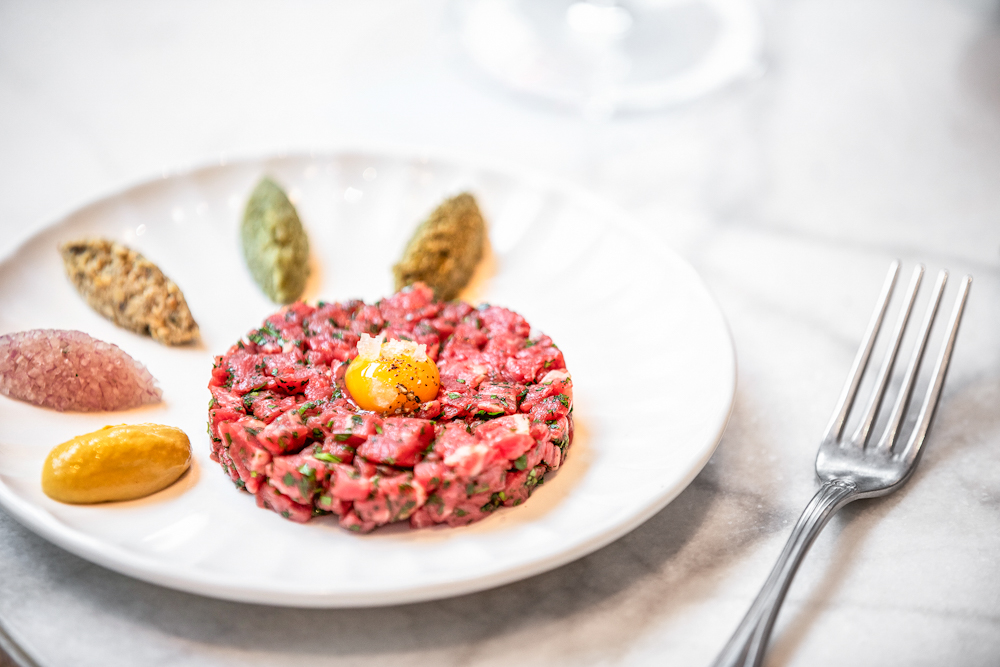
849,467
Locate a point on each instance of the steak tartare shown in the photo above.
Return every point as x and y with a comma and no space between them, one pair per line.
285,428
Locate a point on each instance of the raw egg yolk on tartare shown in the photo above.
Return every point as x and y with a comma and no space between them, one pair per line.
391,377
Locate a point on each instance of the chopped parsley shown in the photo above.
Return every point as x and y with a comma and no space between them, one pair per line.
248,399
404,510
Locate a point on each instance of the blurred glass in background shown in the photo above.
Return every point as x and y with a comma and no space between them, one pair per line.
604,56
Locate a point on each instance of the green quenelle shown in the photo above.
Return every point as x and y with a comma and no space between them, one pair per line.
275,245
445,248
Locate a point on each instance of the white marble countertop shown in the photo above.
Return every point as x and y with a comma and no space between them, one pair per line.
874,134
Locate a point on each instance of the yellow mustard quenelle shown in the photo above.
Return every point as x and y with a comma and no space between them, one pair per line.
116,463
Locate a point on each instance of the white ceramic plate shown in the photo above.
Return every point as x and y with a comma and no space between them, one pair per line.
650,354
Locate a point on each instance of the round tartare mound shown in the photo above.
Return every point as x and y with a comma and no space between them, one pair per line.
285,428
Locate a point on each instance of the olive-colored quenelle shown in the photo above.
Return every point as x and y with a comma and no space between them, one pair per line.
116,463
445,248
275,245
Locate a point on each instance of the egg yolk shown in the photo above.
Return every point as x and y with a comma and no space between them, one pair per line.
391,377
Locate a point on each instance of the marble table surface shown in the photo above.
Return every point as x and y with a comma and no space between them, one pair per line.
874,133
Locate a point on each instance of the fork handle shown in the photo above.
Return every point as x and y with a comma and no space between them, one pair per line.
747,645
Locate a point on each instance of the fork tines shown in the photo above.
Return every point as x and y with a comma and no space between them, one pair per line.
862,433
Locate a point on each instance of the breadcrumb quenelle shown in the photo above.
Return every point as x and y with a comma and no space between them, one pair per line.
69,370
129,290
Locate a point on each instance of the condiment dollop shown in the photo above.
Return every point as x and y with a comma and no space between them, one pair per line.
120,462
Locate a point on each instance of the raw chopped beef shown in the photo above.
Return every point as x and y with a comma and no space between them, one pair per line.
285,428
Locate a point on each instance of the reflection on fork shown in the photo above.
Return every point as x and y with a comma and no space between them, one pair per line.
857,466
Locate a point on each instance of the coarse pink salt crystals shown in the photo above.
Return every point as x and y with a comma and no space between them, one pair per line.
69,370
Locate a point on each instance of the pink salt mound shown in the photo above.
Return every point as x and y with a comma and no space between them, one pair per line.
69,370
